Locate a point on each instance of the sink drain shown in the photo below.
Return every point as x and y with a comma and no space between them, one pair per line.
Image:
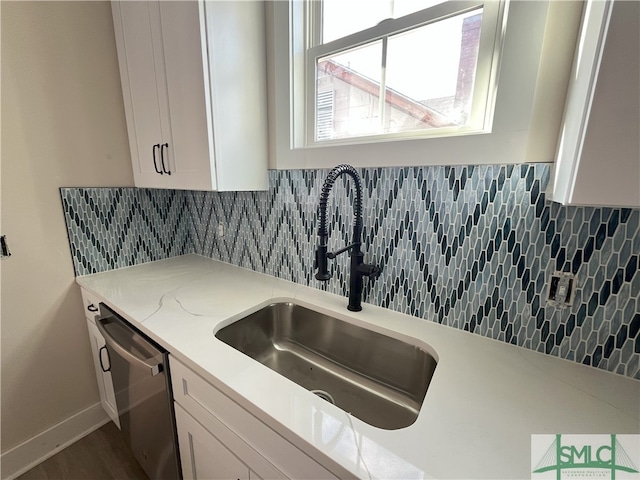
324,395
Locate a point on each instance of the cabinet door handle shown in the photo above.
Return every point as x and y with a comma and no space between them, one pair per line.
168,172
155,165
92,308
104,347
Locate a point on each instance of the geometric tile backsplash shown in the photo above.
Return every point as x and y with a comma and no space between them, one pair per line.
471,247
111,228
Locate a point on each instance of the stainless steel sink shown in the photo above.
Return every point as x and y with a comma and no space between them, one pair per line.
379,379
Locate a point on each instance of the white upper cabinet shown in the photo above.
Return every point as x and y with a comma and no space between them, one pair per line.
194,85
598,160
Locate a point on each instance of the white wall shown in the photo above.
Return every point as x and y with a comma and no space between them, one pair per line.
62,125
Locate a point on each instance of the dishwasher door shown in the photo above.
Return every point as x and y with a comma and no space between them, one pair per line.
143,396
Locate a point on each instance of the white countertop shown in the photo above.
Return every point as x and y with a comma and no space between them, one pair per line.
485,400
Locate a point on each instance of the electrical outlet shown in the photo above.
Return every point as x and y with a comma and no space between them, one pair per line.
561,289
221,230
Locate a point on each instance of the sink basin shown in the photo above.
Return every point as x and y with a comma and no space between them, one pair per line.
379,379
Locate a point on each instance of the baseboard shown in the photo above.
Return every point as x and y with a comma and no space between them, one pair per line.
37,449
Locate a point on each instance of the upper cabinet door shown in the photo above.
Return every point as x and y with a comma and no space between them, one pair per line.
186,73
237,71
184,132
137,33
598,161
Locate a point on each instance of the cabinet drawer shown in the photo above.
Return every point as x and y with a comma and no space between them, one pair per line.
90,304
209,406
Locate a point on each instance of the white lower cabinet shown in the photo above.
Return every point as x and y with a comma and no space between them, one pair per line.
219,439
203,455
100,360
103,375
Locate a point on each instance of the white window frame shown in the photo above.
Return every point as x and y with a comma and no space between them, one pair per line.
491,36
535,67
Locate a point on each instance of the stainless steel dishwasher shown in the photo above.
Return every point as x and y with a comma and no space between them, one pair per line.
139,368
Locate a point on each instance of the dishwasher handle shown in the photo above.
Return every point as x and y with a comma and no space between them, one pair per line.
154,368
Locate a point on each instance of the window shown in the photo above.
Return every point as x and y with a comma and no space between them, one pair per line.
398,69
523,63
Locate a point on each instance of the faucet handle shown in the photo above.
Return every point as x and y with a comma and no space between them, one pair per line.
377,271
371,271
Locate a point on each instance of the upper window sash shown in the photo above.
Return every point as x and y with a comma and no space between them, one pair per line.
386,28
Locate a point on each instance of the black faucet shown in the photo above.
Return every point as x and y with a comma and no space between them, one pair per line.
359,269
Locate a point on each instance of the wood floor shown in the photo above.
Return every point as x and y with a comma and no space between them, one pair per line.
101,455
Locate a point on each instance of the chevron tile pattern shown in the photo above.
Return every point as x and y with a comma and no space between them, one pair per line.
118,227
471,247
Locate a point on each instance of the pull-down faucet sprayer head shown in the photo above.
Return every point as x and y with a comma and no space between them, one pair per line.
322,261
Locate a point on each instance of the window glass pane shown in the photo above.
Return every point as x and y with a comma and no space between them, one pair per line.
430,74
428,82
344,17
354,78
